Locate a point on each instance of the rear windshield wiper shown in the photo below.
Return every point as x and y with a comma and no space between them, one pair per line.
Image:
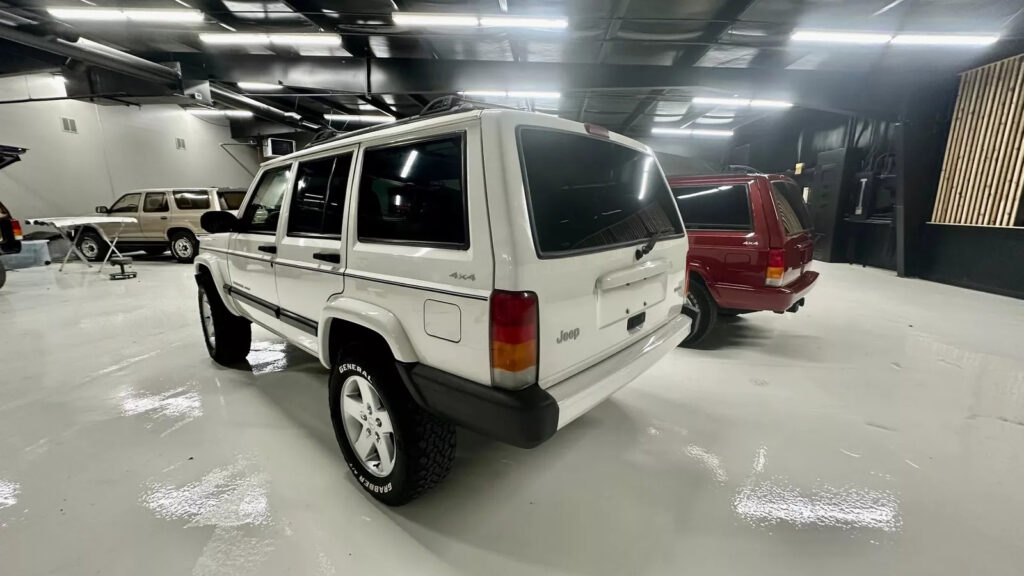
651,241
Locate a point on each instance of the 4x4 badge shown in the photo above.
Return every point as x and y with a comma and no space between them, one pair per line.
458,276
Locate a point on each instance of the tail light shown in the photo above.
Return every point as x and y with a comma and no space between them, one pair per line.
776,268
16,226
513,339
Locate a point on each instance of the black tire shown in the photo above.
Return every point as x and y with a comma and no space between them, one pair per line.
703,318
232,335
3,275
424,445
92,245
155,251
184,246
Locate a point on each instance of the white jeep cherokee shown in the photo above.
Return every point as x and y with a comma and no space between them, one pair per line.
496,269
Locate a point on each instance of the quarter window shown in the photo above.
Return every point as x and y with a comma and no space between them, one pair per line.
192,199
414,194
319,197
264,209
129,203
713,207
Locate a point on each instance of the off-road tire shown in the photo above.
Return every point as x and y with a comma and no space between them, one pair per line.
232,334
705,318
92,245
182,255
424,444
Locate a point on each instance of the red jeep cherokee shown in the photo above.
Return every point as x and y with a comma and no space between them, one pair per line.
750,246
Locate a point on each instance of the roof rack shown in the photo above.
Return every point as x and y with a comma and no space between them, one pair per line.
442,106
742,169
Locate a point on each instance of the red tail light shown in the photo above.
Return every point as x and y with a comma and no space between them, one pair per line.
513,339
16,226
776,268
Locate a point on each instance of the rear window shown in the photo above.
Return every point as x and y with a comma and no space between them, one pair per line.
192,199
789,203
230,199
3,210
711,207
588,194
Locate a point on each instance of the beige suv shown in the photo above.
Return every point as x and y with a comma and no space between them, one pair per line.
166,218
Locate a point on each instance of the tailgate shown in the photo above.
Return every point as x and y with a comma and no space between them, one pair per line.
592,203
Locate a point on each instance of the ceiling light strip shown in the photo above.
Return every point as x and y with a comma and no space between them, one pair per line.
245,39
876,38
473,21
169,16
374,118
691,132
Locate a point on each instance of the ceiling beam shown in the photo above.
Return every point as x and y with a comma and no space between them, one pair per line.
722,20
356,45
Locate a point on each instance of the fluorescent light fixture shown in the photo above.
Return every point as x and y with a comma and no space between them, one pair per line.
422,19
742,102
524,22
408,163
840,37
237,39
945,39
256,86
377,119
244,39
470,20
206,112
690,132
713,120
135,15
60,79
538,94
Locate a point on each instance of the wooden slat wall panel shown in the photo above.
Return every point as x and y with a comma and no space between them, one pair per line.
983,170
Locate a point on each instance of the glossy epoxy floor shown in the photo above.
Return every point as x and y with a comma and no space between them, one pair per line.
878,431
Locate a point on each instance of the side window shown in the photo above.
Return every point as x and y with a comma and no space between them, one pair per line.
264,209
711,207
231,199
192,199
414,194
155,202
127,204
319,196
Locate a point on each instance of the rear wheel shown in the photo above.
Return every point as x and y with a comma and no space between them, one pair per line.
3,275
228,337
184,246
92,245
702,310
394,449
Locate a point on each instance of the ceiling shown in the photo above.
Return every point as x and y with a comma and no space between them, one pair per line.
627,64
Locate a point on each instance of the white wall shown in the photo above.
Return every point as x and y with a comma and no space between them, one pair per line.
116,149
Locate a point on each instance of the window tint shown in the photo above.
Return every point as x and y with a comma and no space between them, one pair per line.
710,207
789,203
319,196
586,193
3,210
264,209
129,203
231,199
413,193
192,199
155,202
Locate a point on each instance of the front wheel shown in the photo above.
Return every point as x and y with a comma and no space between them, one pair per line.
3,275
184,246
92,245
394,449
702,310
228,337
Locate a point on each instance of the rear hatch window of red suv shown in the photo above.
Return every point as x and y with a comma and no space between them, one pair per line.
714,207
789,203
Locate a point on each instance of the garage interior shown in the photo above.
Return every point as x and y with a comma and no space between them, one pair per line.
878,430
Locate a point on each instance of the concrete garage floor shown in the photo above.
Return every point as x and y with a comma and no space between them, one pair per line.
878,431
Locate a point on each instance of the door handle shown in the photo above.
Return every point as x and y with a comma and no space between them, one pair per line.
332,257
163,217
268,248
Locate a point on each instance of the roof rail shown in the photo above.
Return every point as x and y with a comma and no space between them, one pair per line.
441,106
740,168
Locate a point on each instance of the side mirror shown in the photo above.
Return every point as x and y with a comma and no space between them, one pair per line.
218,221
102,210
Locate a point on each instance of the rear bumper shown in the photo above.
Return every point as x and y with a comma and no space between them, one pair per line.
528,417
764,297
